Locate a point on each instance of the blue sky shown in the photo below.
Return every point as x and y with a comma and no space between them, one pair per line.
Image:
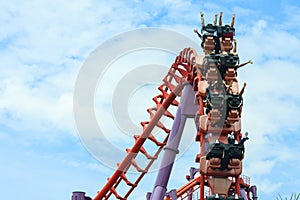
43,45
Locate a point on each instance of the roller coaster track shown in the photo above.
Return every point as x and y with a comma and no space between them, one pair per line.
214,80
179,73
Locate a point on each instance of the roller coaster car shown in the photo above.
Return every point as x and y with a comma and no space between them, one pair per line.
211,60
236,152
235,198
213,35
219,187
228,66
209,29
215,99
211,71
208,39
220,31
214,117
219,150
209,43
224,198
234,108
230,75
225,156
215,104
232,88
216,151
229,60
227,44
213,120
227,32
210,123
239,149
212,74
234,101
212,167
217,197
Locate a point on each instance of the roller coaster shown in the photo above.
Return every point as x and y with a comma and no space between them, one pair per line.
205,88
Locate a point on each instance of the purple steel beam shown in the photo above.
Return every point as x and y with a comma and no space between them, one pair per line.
78,195
253,190
172,194
243,194
186,109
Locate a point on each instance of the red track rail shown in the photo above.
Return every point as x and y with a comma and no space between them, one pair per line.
186,70
173,82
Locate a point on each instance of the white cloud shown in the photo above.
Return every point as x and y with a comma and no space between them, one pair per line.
268,186
43,106
38,67
271,101
258,168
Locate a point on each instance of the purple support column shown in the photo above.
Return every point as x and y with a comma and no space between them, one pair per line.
78,195
148,196
186,109
243,194
171,150
253,190
172,194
